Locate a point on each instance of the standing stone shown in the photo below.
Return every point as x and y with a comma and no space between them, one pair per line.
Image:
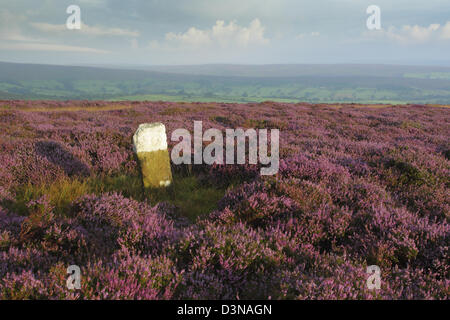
150,146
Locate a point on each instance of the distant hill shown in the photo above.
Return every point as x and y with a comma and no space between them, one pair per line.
228,83
296,70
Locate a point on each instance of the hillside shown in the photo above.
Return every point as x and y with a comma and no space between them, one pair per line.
229,83
357,186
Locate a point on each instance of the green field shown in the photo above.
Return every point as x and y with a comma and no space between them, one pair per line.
176,98
309,83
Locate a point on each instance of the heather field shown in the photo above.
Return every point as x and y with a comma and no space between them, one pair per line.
357,186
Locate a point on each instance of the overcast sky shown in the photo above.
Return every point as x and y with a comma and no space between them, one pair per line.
155,32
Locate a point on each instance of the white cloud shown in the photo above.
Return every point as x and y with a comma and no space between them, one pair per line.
10,26
13,37
313,34
192,37
446,31
222,34
49,47
94,3
85,29
408,34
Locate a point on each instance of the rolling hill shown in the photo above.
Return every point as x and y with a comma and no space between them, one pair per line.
228,83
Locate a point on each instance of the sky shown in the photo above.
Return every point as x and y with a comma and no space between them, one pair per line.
179,32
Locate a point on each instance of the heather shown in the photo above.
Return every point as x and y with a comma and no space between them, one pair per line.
357,186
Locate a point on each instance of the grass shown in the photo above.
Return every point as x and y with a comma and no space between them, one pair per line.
119,85
192,198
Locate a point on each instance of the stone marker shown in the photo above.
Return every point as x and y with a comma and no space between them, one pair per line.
150,146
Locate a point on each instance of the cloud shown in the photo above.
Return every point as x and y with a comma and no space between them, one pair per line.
221,34
408,34
446,31
10,26
94,3
85,29
313,34
192,37
13,37
49,47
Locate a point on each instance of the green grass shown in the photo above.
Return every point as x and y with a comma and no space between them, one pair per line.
340,90
192,198
316,84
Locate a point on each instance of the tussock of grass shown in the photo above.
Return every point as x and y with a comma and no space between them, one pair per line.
60,194
410,124
174,111
190,197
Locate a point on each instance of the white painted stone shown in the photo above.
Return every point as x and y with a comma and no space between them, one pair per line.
150,137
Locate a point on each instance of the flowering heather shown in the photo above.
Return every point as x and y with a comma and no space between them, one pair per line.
357,186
